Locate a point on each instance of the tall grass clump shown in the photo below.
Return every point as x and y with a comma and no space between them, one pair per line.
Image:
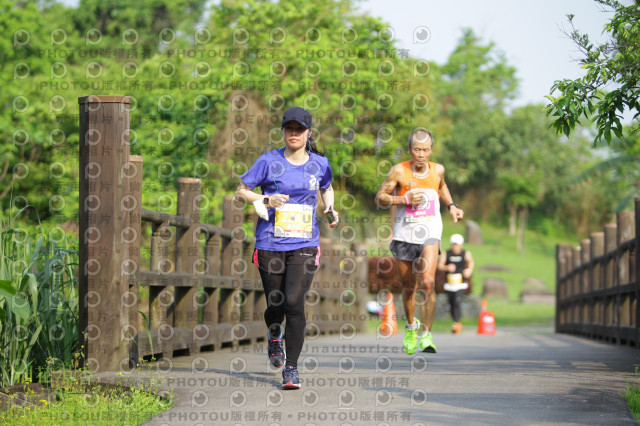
38,300
632,393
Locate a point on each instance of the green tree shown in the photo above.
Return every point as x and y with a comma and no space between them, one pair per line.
342,66
619,169
209,101
146,24
610,84
474,88
24,146
556,199
530,148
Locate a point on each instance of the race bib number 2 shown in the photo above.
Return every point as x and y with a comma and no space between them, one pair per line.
294,221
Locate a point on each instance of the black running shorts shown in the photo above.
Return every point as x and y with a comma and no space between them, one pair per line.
409,252
274,262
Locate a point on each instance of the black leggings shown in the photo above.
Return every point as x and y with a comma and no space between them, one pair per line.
285,291
455,300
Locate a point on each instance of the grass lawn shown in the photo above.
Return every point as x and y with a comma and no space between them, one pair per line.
75,397
507,314
74,405
536,260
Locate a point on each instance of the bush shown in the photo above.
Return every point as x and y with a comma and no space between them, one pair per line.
38,300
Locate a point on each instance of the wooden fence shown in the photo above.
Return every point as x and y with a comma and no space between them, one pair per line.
598,287
200,290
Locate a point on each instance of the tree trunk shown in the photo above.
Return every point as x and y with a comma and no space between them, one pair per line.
524,213
513,210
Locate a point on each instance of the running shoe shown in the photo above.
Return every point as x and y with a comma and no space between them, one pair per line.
426,343
290,378
276,350
410,342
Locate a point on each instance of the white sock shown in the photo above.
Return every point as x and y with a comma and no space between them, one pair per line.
413,326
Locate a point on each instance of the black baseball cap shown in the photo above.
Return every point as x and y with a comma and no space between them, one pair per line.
297,114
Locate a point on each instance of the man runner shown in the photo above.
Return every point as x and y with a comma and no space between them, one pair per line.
416,188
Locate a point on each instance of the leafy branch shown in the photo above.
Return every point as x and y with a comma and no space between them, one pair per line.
613,63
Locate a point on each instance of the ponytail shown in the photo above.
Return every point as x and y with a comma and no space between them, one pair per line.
312,147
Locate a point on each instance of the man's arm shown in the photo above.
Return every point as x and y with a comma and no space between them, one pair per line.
445,196
384,197
470,264
442,263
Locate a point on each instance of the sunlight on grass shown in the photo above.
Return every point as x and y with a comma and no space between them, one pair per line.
121,407
74,398
537,260
507,314
512,314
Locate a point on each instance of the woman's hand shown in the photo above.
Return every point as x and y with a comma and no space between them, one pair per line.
278,200
333,223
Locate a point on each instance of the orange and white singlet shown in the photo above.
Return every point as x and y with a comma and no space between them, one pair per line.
417,223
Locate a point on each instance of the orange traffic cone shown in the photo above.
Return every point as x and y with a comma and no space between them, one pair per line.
486,320
389,325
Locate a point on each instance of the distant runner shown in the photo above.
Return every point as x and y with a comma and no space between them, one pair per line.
458,264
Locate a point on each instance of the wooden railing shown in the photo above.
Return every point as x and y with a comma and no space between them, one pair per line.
201,290
598,287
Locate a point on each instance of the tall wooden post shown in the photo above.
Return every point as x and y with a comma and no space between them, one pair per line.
561,287
187,256
104,148
575,286
610,237
585,252
160,297
610,277
130,240
210,307
232,218
597,273
623,303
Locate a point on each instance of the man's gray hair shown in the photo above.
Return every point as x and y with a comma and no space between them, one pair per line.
421,134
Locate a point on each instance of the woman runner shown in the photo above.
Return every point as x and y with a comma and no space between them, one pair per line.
287,251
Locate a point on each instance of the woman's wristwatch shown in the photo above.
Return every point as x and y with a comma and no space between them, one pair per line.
452,204
265,200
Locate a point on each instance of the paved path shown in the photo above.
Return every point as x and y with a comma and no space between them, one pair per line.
512,378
